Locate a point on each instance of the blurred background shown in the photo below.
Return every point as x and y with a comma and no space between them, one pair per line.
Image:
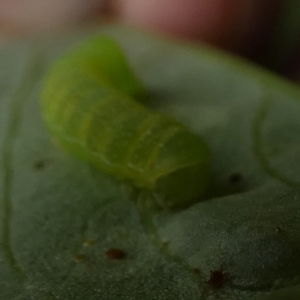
266,31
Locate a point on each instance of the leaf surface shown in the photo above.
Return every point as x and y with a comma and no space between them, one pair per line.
64,225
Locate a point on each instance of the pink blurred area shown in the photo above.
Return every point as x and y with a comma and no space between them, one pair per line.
19,17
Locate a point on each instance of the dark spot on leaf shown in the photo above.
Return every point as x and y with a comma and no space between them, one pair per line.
79,257
166,244
278,230
89,243
217,279
115,253
236,178
39,165
197,271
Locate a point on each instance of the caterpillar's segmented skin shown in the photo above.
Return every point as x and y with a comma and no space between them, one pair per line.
89,105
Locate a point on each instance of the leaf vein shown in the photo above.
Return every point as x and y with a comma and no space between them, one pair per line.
16,108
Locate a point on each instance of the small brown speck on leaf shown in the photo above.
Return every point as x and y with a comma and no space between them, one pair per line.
115,253
80,257
217,279
197,271
39,165
236,178
278,230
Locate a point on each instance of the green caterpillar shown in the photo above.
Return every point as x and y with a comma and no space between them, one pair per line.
89,105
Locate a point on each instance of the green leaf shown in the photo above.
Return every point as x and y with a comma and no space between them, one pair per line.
61,220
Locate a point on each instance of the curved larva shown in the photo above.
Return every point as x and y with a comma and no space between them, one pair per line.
89,106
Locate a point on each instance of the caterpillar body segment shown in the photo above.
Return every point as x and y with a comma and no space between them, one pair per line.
89,104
